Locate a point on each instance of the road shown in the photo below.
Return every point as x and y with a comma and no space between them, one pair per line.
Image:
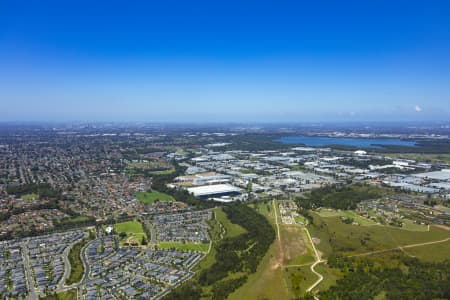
30,282
276,218
67,266
318,261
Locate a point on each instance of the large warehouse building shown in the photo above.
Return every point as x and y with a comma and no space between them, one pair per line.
214,191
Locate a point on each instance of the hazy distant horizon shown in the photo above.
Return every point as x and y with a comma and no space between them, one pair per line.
235,62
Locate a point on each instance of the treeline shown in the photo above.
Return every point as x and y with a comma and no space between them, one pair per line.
253,142
242,253
44,190
365,279
339,197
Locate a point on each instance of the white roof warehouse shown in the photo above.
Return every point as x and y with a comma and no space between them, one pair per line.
216,190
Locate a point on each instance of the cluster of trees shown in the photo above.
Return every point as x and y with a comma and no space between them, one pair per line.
44,190
365,279
345,197
253,142
222,289
242,253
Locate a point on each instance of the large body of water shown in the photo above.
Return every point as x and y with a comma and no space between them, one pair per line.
319,141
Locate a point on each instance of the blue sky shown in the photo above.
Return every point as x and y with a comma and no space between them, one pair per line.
208,61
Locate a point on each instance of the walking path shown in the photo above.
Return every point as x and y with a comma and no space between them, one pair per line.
318,261
401,248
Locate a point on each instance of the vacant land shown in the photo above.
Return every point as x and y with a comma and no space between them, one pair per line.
363,221
431,253
299,279
231,229
335,236
220,227
133,230
199,247
68,295
29,197
295,246
163,172
78,219
273,278
150,197
349,214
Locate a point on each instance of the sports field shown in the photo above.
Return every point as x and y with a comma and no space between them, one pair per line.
133,229
150,197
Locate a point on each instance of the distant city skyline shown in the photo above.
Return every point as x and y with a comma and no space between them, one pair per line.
261,61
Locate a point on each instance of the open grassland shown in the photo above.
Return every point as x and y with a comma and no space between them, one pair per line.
338,237
78,219
330,276
267,283
29,197
276,276
163,172
215,233
350,214
295,246
68,295
150,197
231,229
133,231
299,279
220,227
363,221
198,247
431,253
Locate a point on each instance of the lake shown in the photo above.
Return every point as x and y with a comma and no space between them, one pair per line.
319,141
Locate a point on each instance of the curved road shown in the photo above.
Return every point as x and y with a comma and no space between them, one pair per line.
318,261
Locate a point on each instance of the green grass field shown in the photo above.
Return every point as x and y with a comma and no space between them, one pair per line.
431,253
219,226
301,220
299,280
231,229
198,247
29,197
78,219
150,197
133,229
330,276
324,212
76,265
363,221
267,283
272,280
68,295
336,236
